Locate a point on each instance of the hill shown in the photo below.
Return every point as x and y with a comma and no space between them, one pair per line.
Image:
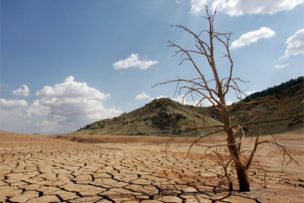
289,86
160,117
277,109
274,110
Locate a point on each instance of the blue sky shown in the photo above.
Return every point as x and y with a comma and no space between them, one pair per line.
67,63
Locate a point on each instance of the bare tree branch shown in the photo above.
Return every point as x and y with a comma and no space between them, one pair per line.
212,87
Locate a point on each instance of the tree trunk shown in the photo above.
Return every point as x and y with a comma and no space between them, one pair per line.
244,185
241,171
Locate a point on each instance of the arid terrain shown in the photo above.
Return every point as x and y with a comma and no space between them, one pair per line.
37,168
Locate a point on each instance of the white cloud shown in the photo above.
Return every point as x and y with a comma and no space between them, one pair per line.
253,37
62,107
242,7
13,114
21,91
197,6
143,96
133,61
294,47
295,44
71,89
37,109
8,104
281,66
72,103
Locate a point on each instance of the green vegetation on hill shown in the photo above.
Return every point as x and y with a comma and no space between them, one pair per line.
276,109
276,89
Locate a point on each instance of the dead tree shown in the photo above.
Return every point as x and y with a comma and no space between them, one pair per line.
214,90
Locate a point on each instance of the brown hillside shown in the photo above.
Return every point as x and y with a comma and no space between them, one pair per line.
160,117
274,110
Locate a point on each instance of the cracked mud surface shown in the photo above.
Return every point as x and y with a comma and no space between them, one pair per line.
137,169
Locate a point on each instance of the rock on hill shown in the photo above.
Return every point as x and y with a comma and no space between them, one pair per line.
160,117
276,109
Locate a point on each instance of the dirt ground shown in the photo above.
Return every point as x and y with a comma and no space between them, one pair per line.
37,168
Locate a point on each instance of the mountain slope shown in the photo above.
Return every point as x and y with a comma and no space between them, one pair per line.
276,109
280,108
160,117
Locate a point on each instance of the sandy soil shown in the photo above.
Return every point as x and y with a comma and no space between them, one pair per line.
138,169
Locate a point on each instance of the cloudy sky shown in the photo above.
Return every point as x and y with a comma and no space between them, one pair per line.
67,63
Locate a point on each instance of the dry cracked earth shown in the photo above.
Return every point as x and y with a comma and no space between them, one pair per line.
135,169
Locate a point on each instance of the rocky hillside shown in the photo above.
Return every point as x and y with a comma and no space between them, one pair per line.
274,110
160,117
282,109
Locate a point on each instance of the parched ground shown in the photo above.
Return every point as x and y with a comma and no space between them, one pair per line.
137,169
